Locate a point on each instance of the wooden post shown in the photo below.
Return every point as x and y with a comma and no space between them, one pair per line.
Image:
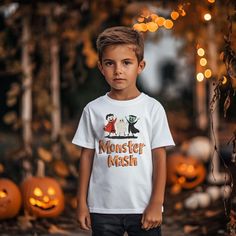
55,90
26,114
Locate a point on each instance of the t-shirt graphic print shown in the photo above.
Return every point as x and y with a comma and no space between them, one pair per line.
124,154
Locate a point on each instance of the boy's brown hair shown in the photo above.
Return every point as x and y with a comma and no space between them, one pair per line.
120,35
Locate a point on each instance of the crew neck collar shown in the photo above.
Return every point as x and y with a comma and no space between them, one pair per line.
125,102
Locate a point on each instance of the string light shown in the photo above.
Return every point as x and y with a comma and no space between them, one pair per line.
211,1
200,77
207,16
201,52
154,17
174,15
152,26
140,27
168,24
203,61
208,73
224,80
160,21
148,21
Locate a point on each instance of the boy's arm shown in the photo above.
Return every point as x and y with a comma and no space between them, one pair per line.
152,216
85,168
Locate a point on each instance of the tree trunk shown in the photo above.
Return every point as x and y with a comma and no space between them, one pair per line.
201,102
214,175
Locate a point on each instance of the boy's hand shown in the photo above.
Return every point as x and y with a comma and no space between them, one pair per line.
83,217
152,216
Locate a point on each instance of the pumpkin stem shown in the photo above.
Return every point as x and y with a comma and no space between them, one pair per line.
41,169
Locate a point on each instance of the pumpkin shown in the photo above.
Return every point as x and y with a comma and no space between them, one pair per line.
10,199
185,171
200,148
42,196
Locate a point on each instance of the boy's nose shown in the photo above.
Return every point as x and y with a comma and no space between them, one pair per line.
118,70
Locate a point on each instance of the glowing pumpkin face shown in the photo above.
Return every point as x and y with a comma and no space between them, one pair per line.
42,197
185,171
10,199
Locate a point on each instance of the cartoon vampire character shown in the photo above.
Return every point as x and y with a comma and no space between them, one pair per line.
132,120
110,126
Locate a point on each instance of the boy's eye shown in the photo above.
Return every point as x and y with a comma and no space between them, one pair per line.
127,62
108,63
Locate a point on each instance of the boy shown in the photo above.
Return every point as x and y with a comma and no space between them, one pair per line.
122,177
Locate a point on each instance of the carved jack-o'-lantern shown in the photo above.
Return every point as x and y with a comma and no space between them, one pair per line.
42,197
185,171
10,199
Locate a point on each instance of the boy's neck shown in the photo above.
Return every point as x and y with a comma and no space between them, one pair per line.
120,95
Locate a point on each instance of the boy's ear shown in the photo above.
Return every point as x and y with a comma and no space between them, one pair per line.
100,67
141,66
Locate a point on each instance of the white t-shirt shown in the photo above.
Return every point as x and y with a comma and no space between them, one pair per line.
123,133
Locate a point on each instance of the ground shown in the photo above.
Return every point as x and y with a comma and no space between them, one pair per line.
178,221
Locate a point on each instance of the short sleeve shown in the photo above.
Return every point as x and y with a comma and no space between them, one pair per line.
161,135
84,135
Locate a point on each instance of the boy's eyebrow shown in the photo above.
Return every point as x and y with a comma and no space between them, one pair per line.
108,59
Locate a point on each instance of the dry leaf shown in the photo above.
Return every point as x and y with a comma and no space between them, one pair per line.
47,124
19,153
10,117
11,101
70,34
36,125
178,206
24,221
44,154
73,202
73,151
176,189
56,230
74,171
190,228
211,213
14,90
62,182
1,168
61,168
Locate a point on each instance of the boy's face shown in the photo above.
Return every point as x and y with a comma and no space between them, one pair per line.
120,67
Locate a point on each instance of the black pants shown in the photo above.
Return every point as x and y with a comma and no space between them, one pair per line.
118,224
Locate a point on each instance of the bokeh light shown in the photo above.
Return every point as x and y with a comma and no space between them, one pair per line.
208,73
168,24
200,77
203,61
207,16
201,52
152,26
160,21
174,15
224,80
